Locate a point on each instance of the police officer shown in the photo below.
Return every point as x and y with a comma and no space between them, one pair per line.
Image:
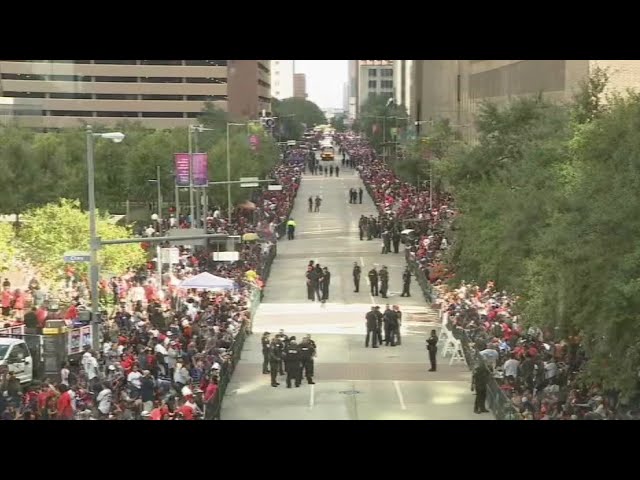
308,351
282,341
275,360
331,170
396,309
310,279
386,242
406,283
318,202
356,276
479,383
432,348
291,229
372,328
396,240
390,320
373,280
310,203
326,282
266,342
337,171
360,194
318,276
384,281
379,317
292,362
362,224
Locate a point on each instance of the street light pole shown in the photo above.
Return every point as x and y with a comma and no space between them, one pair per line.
94,241
197,195
191,204
93,229
229,165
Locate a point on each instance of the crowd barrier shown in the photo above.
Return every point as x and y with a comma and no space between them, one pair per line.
499,403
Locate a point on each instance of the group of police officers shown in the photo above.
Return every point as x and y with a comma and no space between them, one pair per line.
282,354
388,322
379,281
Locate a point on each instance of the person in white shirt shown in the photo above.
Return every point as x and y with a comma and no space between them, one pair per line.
490,356
511,367
150,231
90,365
181,375
134,377
104,400
550,369
64,374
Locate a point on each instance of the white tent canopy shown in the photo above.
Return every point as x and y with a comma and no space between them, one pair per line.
206,281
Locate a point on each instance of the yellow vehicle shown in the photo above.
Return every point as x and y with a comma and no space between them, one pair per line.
327,154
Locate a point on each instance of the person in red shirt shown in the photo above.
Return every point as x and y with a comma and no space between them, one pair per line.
65,409
72,312
7,298
186,411
45,394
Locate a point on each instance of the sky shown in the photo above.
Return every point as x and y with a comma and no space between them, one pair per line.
325,80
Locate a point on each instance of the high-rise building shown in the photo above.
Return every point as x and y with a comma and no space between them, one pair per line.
374,77
352,111
300,85
455,89
282,79
402,83
345,98
158,93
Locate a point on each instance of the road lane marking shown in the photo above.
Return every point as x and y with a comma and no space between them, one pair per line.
399,393
312,399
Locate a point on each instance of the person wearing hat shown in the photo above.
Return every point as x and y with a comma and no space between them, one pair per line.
372,328
383,275
326,282
275,359
308,351
266,341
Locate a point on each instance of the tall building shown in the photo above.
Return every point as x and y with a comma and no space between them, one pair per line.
374,77
345,98
353,89
282,78
455,89
300,85
158,93
402,83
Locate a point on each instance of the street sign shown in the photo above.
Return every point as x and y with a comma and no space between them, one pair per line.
275,187
249,185
249,179
170,255
179,232
77,257
226,256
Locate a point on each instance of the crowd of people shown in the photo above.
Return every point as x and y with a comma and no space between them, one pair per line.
538,373
164,350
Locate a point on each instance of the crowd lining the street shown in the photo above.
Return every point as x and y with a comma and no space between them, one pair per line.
538,373
164,349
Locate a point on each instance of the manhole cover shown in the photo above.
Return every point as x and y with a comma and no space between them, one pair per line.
350,392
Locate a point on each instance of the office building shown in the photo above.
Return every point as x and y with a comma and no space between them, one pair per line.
352,110
402,82
157,93
282,79
300,85
374,77
455,89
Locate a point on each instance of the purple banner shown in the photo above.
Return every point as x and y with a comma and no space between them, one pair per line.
200,169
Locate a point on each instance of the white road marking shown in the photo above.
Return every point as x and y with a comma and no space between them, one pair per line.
312,399
399,393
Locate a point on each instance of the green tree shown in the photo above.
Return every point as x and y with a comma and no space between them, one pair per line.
8,248
380,120
55,228
338,122
294,114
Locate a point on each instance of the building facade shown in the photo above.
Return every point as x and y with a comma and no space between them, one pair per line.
456,89
374,77
402,81
158,93
282,78
300,85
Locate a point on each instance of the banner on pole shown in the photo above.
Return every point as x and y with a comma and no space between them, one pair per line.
200,169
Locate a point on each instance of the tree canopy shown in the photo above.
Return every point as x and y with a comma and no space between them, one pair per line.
548,201
381,120
294,114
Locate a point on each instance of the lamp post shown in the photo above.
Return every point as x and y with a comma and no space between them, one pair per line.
157,217
229,166
115,137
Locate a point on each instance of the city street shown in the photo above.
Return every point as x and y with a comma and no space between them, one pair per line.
352,382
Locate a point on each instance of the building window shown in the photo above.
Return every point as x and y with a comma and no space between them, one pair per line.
161,79
69,113
115,62
206,98
262,67
116,96
153,96
372,84
118,114
373,72
206,80
262,83
71,96
386,72
386,83
117,79
162,115
24,94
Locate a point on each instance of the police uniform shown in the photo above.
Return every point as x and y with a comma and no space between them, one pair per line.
406,283
356,277
266,342
275,360
384,282
307,353
479,382
432,348
373,280
372,328
284,340
292,362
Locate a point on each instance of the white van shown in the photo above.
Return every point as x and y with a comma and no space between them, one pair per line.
15,355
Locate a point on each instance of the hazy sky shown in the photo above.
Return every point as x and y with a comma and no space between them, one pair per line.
325,80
